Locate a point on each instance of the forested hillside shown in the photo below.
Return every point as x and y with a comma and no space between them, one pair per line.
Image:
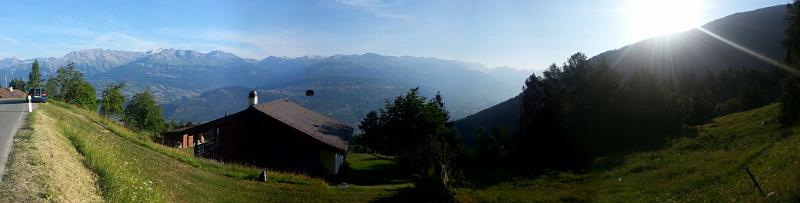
691,55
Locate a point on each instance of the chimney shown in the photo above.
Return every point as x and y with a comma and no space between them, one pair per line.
253,98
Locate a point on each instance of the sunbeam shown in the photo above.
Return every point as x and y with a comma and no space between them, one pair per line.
751,52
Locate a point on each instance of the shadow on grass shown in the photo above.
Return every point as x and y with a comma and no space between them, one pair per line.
413,194
617,158
485,175
374,171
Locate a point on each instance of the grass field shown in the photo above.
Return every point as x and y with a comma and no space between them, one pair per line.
131,168
706,164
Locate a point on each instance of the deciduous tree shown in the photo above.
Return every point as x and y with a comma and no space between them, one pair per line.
112,102
69,85
142,113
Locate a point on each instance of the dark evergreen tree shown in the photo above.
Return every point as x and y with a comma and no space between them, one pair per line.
493,147
417,131
790,96
374,140
538,143
584,109
17,83
686,82
35,76
650,109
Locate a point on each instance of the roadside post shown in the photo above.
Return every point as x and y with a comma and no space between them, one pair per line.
30,106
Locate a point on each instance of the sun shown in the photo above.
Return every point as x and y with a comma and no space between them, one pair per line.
650,18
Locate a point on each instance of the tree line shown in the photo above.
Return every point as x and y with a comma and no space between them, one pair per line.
584,109
790,97
570,115
69,85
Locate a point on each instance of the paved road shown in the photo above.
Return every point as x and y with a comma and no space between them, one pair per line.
12,113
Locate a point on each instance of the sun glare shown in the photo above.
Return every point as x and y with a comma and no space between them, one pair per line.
650,18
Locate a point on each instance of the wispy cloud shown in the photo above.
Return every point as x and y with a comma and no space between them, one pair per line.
380,8
9,39
122,41
78,38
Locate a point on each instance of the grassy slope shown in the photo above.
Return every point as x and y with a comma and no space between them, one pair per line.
130,168
707,165
45,166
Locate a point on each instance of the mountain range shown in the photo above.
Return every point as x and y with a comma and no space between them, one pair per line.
349,86
196,86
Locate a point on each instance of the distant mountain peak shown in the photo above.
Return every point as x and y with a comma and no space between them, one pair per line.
6,62
99,60
218,52
159,50
370,54
222,55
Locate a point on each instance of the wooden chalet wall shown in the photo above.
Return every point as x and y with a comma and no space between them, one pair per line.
253,138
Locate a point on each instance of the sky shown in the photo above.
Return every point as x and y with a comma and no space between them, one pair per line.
520,34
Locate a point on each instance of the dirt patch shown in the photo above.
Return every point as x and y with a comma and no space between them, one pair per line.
4,93
25,179
70,179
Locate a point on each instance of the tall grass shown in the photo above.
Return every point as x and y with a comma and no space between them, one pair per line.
25,179
706,166
231,170
133,169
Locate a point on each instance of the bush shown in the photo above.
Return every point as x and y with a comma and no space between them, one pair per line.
143,114
112,101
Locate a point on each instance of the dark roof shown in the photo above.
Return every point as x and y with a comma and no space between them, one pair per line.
177,131
320,127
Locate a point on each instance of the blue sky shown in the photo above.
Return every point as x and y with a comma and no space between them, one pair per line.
519,34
